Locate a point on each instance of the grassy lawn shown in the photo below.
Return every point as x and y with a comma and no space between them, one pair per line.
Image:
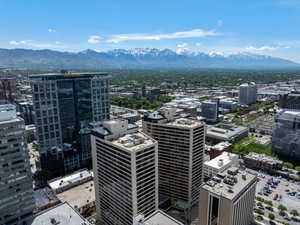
248,144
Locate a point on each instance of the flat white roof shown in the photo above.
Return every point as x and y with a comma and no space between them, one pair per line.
161,218
225,156
62,214
65,181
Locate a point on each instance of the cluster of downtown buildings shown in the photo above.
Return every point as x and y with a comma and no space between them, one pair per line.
140,174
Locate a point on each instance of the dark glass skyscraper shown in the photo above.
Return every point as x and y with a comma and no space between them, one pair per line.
66,106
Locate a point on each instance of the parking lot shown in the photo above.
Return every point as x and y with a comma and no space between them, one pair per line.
278,194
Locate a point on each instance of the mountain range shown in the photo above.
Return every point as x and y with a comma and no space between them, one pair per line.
141,58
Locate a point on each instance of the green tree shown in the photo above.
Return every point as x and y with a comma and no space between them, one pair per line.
297,168
259,211
259,199
281,208
269,202
271,216
288,165
294,212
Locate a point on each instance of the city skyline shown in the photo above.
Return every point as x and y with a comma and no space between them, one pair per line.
198,26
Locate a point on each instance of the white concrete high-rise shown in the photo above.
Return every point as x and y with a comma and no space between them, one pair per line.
125,163
16,192
247,93
180,155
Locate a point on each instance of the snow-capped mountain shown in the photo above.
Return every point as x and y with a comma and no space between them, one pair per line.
139,58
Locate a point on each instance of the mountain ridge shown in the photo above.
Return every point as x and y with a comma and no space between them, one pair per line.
139,58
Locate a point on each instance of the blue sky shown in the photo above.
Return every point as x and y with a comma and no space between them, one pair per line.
270,27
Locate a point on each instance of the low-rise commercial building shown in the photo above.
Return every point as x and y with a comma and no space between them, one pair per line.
262,162
61,184
219,148
228,199
219,164
226,132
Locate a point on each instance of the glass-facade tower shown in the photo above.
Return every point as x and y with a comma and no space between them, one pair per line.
66,104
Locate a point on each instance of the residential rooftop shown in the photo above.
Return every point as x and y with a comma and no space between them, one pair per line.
230,183
62,214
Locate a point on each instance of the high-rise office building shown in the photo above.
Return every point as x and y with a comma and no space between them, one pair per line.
286,132
228,199
247,93
290,101
16,192
8,90
65,104
210,110
125,163
180,154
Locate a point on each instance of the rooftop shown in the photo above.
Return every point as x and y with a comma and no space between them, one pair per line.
78,196
263,158
70,180
134,141
230,183
222,160
158,218
67,75
7,112
62,214
225,130
221,146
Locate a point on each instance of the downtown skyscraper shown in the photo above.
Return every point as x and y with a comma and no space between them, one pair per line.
125,163
66,105
16,192
180,155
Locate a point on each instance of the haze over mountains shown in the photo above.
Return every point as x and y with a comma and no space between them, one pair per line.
138,59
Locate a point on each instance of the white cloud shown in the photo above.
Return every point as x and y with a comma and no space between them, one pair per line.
34,44
220,23
198,44
176,35
183,45
262,48
51,30
94,39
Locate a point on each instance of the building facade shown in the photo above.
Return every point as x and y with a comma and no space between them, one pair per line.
65,104
25,108
180,153
286,133
247,93
210,110
16,192
228,199
290,101
125,163
8,90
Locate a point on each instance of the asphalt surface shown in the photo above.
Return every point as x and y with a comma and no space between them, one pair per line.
290,202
